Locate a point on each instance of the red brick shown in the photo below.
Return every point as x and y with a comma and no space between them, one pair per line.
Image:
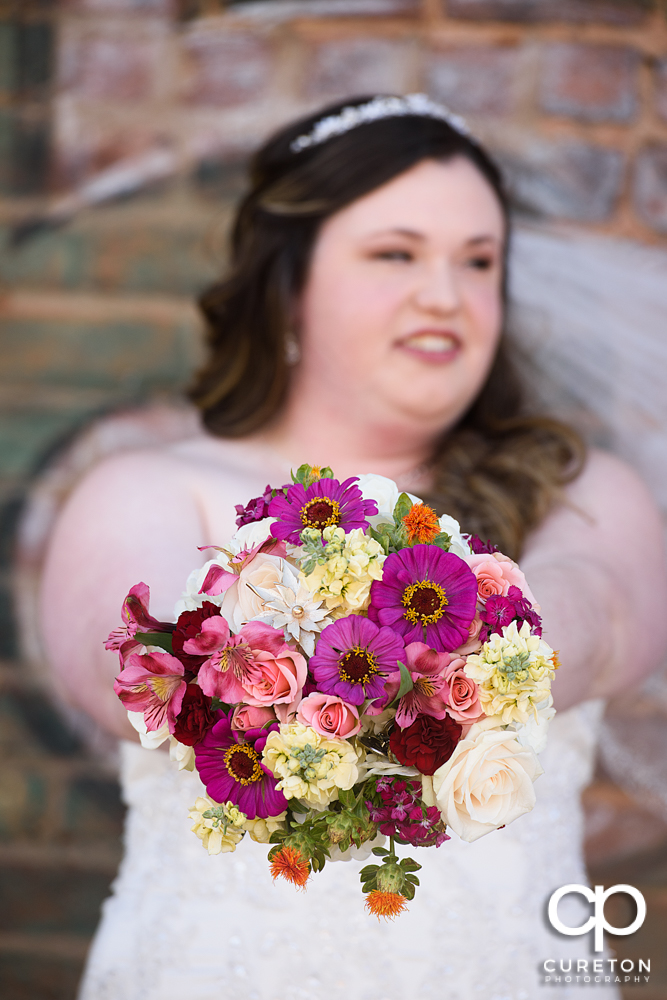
474,79
227,69
661,88
621,12
590,82
355,66
650,187
114,65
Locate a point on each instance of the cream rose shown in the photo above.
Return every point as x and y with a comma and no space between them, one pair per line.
263,571
486,783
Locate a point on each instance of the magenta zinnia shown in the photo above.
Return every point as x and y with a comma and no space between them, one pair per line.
229,763
353,658
323,504
426,595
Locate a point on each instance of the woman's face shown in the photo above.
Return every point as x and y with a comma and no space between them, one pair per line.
401,312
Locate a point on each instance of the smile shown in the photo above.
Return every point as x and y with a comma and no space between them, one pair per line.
433,345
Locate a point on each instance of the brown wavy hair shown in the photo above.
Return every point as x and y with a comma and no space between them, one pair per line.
500,469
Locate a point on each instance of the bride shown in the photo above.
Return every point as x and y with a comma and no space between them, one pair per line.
361,326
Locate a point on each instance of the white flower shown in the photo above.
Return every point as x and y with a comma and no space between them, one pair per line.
250,535
352,561
458,546
219,826
191,599
354,853
385,492
310,767
533,733
291,606
514,673
182,754
486,783
151,739
260,829
374,764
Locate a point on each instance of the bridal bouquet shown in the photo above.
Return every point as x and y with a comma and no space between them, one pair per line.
348,668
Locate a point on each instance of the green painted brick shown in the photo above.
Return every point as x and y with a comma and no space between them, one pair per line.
26,437
145,259
125,356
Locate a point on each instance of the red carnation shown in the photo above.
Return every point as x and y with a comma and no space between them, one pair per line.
195,718
426,744
187,627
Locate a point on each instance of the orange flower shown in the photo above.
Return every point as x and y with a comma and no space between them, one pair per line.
290,864
555,659
385,904
422,523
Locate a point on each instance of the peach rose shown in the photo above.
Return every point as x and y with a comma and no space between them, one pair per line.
496,573
490,579
463,704
251,717
275,678
515,577
486,783
329,716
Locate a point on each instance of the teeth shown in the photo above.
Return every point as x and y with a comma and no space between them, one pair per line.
437,343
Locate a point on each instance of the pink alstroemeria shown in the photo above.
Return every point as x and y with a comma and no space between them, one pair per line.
152,683
228,660
430,693
135,616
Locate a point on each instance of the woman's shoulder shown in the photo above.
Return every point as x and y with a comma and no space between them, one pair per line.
602,508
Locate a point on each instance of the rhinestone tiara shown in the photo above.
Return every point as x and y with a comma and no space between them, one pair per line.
379,107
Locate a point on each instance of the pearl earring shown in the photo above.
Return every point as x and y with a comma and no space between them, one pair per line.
292,350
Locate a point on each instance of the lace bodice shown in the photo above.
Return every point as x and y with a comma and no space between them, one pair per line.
185,926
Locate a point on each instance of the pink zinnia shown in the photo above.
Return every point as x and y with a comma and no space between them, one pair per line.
426,595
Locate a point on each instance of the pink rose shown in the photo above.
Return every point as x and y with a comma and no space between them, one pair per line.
490,579
464,706
474,642
276,673
251,717
329,716
515,577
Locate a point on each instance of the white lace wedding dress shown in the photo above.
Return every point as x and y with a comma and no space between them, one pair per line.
181,925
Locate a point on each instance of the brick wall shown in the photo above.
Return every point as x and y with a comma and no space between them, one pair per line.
97,314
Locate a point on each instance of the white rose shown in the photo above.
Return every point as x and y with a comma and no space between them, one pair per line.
459,545
486,783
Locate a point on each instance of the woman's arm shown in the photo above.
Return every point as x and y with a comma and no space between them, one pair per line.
597,567
134,518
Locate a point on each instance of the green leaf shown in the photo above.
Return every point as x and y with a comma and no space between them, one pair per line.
347,798
162,639
403,505
443,541
408,891
412,878
380,852
407,683
408,865
369,872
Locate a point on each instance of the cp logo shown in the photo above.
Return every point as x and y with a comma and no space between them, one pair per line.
598,897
